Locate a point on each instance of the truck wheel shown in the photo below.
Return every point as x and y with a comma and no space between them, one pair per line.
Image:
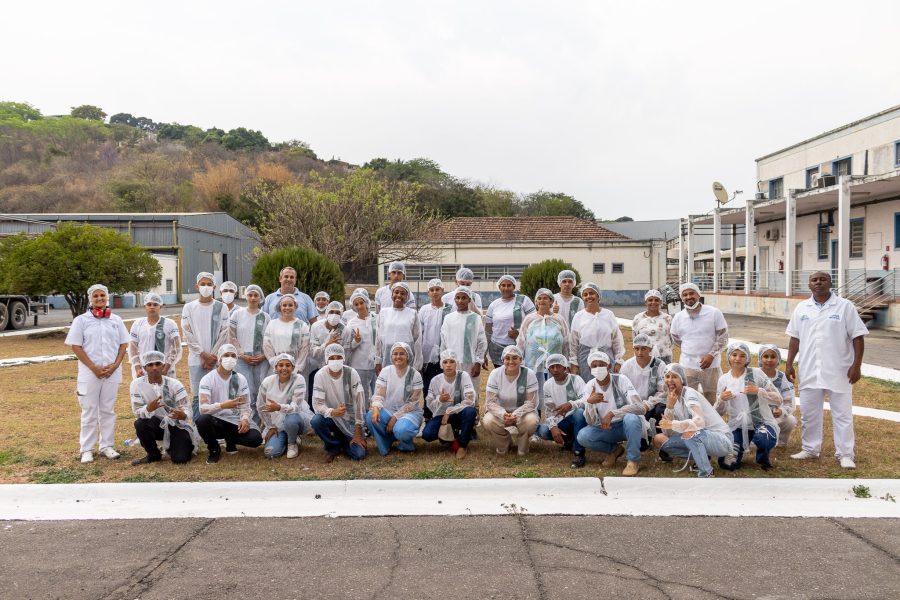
4,317
18,315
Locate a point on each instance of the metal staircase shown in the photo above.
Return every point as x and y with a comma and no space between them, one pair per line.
869,294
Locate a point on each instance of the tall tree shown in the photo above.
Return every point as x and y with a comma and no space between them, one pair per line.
554,204
89,112
242,138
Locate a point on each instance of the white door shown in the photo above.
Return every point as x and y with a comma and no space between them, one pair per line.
763,267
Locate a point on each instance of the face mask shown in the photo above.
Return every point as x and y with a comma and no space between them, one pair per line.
599,373
227,297
206,290
335,365
333,319
228,363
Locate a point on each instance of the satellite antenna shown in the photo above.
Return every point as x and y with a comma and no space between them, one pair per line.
720,193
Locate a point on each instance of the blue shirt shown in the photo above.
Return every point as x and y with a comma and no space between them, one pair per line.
306,308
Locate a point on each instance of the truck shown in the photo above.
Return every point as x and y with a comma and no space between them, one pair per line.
16,308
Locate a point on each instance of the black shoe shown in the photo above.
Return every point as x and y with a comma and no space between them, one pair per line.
664,456
578,461
145,460
230,448
766,466
213,457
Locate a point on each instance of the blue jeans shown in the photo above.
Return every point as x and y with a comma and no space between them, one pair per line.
571,426
462,422
335,440
405,430
367,379
196,372
278,443
629,430
254,376
763,438
700,447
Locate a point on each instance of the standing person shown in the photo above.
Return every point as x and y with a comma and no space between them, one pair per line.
453,401
595,327
396,412
566,303
463,333
154,332
510,415
504,317
359,343
769,360
431,318
204,322
246,331
225,408
829,335
563,408
98,339
613,412
325,331
542,333
351,312
398,323
306,308
647,374
702,334
283,409
384,296
464,278
339,404
162,412
321,301
287,334
229,289
656,325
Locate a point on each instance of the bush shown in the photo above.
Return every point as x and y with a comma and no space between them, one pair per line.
315,272
543,275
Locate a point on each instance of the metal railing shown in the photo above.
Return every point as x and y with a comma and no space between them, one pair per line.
859,283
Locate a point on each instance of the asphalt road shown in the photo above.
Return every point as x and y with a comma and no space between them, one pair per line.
453,557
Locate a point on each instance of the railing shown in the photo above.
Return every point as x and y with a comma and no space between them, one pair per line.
859,283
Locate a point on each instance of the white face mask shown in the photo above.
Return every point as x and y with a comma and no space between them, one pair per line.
335,365
599,373
227,297
333,319
228,363
206,290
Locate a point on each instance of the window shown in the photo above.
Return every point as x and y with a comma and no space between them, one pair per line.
842,167
169,284
776,188
599,268
896,230
618,267
810,173
897,153
823,240
857,237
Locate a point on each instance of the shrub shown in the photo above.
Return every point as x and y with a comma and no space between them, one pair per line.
315,272
543,275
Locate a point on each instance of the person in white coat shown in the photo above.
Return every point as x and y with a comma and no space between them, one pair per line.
463,332
287,334
359,342
452,399
204,322
542,333
340,407
398,323
396,412
229,289
384,296
510,415
563,408
769,360
647,374
246,330
464,278
656,325
702,333
321,300
154,332
431,318
595,327
283,410
328,329
504,317
566,302
99,340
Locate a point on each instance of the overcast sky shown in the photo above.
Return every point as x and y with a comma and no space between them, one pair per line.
632,107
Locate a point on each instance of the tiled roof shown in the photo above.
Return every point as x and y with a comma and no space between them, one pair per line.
521,229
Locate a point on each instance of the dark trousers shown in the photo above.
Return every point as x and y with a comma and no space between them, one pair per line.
656,413
212,429
429,371
462,422
335,440
309,387
181,448
763,438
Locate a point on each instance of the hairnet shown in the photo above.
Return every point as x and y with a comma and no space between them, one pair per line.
397,266
254,288
449,355
642,340
677,370
285,297
153,297
543,292
206,275
403,346
465,274
228,285
591,286
322,295
435,283
335,305
401,284
652,294
557,359
688,286
764,347
465,290
511,350
359,293
152,356
334,350
224,348
286,356
566,274
97,286
596,354
508,278
739,346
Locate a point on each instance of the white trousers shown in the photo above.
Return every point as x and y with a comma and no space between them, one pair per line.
811,408
97,398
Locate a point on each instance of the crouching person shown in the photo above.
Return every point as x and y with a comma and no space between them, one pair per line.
396,412
340,406
451,398
511,406
614,413
283,408
691,426
163,413
769,359
563,408
225,408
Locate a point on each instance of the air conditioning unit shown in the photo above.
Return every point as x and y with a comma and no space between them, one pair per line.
772,234
760,195
823,181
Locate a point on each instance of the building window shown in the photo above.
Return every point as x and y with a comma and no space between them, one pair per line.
169,284
823,240
842,167
810,173
776,188
896,231
897,153
618,267
447,273
857,238
599,268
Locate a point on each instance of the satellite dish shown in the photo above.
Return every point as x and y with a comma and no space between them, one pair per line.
719,191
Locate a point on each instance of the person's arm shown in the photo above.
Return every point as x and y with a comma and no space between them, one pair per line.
634,407
481,343
268,348
82,356
173,355
855,371
618,343
417,345
134,354
303,351
138,404
222,338
232,333
379,341
530,404
675,330
468,396
696,423
320,407
793,348
187,327
415,402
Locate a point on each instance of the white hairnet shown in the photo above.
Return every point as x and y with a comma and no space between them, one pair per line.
511,350
254,288
335,305
764,347
465,290
397,266
153,297
566,274
334,350
401,284
557,359
688,286
465,274
359,293
206,275
642,340
228,285
543,292
652,294
322,295
285,356
403,346
225,348
596,354
449,354
739,346
677,370
508,278
97,286
285,297
591,286
152,356
435,283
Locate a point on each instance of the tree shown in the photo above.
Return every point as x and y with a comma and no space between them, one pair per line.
71,259
245,139
554,204
297,148
189,134
543,275
623,219
455,199
314,272
21,111
89,112
142,123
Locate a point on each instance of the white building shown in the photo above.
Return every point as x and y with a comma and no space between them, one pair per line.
829,203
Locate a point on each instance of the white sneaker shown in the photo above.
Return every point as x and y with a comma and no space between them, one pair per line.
847,463
292,451
108,452
87,457
803,455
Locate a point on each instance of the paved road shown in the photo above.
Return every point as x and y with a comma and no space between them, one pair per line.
453,557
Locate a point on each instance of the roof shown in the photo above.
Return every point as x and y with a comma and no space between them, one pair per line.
492,229
659,229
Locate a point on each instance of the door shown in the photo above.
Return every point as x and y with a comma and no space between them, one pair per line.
834,256
763,267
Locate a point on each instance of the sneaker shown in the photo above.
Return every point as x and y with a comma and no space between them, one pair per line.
631,469
87,457
293,450
728,462
231,449
803,455
610,460
664,456
847,463
108,452
578,461
144,460
213,457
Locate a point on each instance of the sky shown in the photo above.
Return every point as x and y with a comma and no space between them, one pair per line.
634,108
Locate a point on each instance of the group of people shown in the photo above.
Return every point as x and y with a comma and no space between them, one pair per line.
286,364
